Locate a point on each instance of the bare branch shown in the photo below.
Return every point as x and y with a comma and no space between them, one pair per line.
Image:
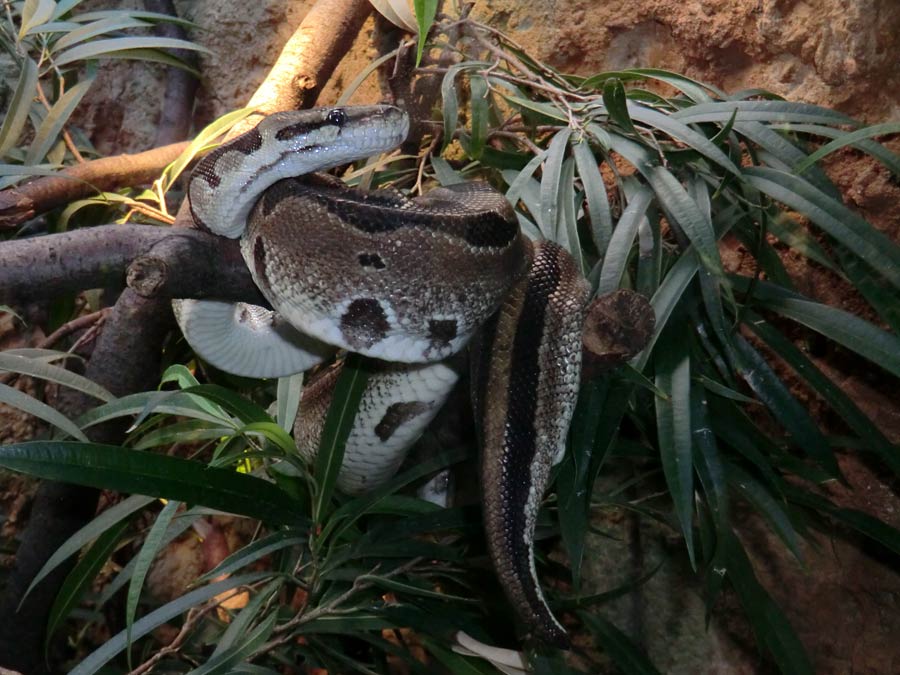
20,203
155,262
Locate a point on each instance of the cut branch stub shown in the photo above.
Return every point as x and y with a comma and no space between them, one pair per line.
618,326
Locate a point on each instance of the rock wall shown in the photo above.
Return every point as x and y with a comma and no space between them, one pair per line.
839,53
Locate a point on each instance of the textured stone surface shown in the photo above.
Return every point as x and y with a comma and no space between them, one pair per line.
832,52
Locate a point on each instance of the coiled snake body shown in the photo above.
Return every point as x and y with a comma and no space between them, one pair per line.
403,280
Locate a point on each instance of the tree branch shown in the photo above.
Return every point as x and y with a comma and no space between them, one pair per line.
21,203
153,261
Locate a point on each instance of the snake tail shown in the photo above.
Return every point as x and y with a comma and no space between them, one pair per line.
527,372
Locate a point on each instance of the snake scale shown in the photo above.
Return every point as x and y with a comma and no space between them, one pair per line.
406,281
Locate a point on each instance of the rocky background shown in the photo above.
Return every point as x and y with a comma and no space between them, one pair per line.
844,602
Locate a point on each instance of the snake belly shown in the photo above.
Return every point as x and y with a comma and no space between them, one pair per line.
409,281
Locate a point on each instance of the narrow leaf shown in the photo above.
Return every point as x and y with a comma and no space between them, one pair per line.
79,580
25,403
100,657
425,13
115,468
46,371
845,140
105,48
19,106
624,653
348,391
143,560
673,419
595,195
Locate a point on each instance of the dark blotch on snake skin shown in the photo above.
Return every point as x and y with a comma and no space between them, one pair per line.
397,415
442,331
492,231
301,128
364,323
371,260
259,261
245,144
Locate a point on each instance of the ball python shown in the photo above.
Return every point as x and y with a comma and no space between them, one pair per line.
406,281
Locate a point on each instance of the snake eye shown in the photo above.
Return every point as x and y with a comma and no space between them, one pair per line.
336,117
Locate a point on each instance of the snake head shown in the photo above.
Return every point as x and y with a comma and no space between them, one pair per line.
228,181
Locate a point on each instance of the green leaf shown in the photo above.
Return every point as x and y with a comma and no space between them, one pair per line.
450,103
94,529
24,402
595,195
878,346
882,154
344,517
551,177
174,403
95,28
356,83
572,487
708,461
845,140
842,404
614,262
425,13
680,131
101,656
348,391
19,106
79,580
771,627
617,105
760,498
223,663
46,371
673,420
271,543
761,111
245,618
875,529
181,524
682,209
617,646
480,111
408,589
184,431
290,390
34,13
842,223
151,546
115,468
116,47
760,377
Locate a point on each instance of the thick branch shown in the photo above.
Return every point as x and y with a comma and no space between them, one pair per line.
20,203
159,262
618,325
311,55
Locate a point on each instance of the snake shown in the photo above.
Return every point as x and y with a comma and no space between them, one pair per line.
408,282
